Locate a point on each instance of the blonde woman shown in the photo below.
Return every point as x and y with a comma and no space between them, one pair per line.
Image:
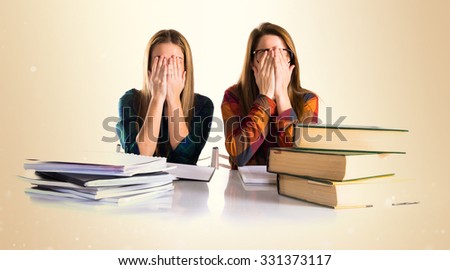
260,110
166,118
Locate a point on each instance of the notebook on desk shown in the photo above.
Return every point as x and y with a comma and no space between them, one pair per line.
191,172
98,163
256,175
73,194
88,180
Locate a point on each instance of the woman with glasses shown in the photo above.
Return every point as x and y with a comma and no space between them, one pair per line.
166,118
259,112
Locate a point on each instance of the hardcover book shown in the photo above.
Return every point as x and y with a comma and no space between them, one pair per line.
330,165
352,138
378,191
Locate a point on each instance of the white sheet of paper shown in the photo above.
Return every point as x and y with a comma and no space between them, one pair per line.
257,174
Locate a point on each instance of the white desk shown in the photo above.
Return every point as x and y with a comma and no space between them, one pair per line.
220,214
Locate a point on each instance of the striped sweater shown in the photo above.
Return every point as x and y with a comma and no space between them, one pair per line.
248,138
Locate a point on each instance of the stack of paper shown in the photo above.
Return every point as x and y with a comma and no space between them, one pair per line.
99,163
116,178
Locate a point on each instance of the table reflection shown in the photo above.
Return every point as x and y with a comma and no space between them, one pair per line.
225,196
190,198
245,202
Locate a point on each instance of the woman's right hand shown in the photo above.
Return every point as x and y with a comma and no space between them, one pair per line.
157,78
264,72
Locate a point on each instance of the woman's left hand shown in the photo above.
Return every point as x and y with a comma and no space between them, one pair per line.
176,77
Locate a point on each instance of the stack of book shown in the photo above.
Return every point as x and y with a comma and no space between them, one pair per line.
110,178
342,167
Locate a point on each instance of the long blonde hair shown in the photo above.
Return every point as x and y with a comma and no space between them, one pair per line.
246,85
187,96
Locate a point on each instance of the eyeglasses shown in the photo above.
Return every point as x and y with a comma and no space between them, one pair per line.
286,53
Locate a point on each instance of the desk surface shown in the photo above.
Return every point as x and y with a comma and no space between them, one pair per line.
221,214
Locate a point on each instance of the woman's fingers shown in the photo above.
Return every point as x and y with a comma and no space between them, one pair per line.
278,70
161,71
149,80
276,61
284,58
264,60
266,63
264,57
178,67
154,64
157,81
265,74
170,69
161,66
273,66
175,66
164,69
155,67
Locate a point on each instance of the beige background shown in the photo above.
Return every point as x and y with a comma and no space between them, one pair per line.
64,65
